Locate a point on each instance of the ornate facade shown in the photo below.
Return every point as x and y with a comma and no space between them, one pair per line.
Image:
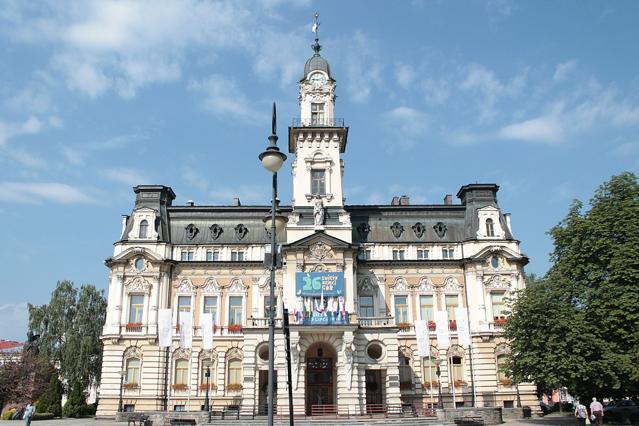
355,278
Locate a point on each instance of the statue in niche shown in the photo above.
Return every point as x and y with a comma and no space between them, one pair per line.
318,212
363,229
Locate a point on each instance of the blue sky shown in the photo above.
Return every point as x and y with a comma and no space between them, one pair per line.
540,97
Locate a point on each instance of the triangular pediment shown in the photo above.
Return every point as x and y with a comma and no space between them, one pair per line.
132,252
497,250
318,237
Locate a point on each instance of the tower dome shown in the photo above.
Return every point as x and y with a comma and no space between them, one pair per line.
316,62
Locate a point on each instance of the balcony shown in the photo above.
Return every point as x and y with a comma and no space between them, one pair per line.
372,322
317,122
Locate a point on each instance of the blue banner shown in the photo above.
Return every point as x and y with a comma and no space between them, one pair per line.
319,283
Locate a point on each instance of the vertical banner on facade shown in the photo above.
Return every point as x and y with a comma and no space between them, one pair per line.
164,327
463,330
421,333
206,325
441,322
186,330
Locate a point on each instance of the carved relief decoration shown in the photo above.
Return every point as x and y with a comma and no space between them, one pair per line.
234,353
440,229
425,284
397,229
400,284
366,286
318,268
216,230
320,251
363,229
211,286
456,350
497,281
236,286
451,284
185,286
419,229
208,354
406,351
502,349
182,353
434,353
138,284
132,352
191,231
241,231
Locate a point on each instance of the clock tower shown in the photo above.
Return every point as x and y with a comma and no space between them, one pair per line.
317,139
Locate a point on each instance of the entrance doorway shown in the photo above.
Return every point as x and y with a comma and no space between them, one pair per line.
320,387
374,396
262,396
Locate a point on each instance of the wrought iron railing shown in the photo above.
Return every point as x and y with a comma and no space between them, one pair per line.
318,122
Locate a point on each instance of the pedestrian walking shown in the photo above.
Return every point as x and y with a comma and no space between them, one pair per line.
28,414
581,412
596,411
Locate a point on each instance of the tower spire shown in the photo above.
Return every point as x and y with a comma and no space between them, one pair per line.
315,28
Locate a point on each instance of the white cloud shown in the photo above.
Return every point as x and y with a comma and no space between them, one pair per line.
405,75
78,154
125,176
540,129
437,91
248,194
223,97
15,321
11,130
564,69
40,192
363,67
627,150
23,157
407,125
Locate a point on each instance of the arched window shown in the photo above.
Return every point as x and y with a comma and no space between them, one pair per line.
144,227
209,364
501,370
429,373
133,371
490,229
405,372
456,365
181,376
234,375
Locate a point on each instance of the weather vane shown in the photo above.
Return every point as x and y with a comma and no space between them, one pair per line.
316,25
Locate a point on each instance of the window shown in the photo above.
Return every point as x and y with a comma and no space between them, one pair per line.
184,306
267,306
364,254
186,256
456,369
426,307
374,351
494,261
405,373
499,307
235,310
401,309
429,372
235,372
210,306
317,114
207,363
422,254
139,264
318,182
133,371
398,254
366,307
237,256
448,253
136,308
501,368
490,229
181,372
452,302
144,229
212,256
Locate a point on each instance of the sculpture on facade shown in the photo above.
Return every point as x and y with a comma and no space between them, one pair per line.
318,212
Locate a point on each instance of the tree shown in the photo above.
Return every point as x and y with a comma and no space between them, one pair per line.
579,325
26,379
69,328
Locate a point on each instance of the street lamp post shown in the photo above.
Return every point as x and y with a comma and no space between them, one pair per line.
206,401
440,403
272,160
122,374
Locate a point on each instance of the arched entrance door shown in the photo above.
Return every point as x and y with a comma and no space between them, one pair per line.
320,383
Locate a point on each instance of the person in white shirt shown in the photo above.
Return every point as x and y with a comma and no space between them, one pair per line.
581,412
596,409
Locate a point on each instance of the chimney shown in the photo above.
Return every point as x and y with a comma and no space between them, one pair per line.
236,202
395,201
404,200
507,217
190,203
448,199
125,218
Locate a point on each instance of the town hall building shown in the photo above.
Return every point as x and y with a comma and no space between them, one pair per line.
354,278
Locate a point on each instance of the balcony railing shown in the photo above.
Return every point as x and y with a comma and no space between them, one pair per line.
371,322
318,122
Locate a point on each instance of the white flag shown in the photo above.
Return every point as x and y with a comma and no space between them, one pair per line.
463,331
164,327
206,325
186,330
314,27
421,333
441,322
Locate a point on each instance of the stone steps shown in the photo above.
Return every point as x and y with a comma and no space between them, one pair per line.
332,421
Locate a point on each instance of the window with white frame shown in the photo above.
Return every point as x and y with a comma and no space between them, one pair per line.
405,372
366,307
452,302
181,376
267,306
235,310
448,253
234,374
212,255
364,254
422,254
456,369
501,369
426,307
317,113
186,255
133,371
318,182
136,308
429,373
184,307
209,305
143,231
399,254
209,364
401,309
490,228
237,256
499,305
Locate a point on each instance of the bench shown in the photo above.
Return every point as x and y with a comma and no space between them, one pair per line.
138,418
182,422
470,421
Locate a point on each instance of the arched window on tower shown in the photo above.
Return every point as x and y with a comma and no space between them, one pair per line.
490,229
144,229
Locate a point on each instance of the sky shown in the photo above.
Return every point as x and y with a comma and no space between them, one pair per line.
539,97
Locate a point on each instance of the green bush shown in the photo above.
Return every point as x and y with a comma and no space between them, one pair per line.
42,416
50,401
76,405
7,414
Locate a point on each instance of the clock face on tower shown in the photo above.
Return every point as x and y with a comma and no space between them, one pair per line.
317,80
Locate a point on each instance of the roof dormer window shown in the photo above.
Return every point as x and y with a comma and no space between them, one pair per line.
490,229
144,229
